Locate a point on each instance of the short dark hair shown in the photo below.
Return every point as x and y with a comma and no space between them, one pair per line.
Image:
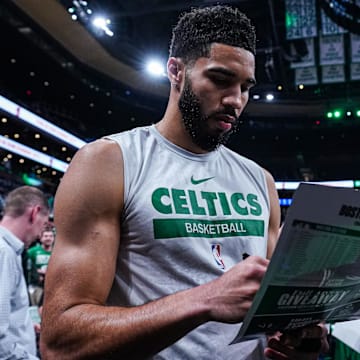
19,199
47,228
199,28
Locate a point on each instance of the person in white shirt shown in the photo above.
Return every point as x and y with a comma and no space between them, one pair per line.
25,214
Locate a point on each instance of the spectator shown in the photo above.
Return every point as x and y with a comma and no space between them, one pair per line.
25,213
38,258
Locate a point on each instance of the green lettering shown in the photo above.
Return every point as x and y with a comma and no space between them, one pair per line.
255,207
157,202
180,202
224,204
209,197
235,198
196,209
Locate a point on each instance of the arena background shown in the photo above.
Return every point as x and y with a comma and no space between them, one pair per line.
89,78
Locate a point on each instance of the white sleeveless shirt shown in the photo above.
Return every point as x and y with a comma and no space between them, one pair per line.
187,218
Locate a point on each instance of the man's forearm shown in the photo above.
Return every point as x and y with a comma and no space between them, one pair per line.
96,331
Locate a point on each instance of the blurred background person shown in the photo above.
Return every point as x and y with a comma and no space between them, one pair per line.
25,214
38,257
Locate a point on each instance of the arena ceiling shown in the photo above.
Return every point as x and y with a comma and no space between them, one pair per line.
96,84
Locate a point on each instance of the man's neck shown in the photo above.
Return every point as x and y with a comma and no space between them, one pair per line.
174,130
46,247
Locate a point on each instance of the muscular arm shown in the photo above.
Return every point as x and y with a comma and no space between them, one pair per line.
76,322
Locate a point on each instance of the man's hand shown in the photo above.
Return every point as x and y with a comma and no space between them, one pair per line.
302,344
230,296
41,271
37,328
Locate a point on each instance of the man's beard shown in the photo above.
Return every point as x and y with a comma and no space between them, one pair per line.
196,122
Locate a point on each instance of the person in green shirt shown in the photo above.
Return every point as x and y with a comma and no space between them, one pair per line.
38,259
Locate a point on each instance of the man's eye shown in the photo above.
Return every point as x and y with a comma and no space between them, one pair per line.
245,88
220,81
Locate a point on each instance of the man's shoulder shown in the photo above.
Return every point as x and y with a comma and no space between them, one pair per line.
7,253
34,249
228,152
9,243
4,246
96,153
129,134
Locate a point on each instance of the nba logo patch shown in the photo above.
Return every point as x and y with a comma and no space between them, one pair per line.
216,251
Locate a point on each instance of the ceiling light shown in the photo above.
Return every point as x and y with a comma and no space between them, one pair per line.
109,32
155,68
102,23
337,113
99,22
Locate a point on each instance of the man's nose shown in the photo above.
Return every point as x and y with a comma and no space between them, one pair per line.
235,99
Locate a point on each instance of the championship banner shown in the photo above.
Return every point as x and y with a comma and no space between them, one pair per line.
333,74
306,60
328,27
300,19
331,49
355,47
355,71
306,76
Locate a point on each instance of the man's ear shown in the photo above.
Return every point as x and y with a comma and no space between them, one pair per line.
33,213
175,70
